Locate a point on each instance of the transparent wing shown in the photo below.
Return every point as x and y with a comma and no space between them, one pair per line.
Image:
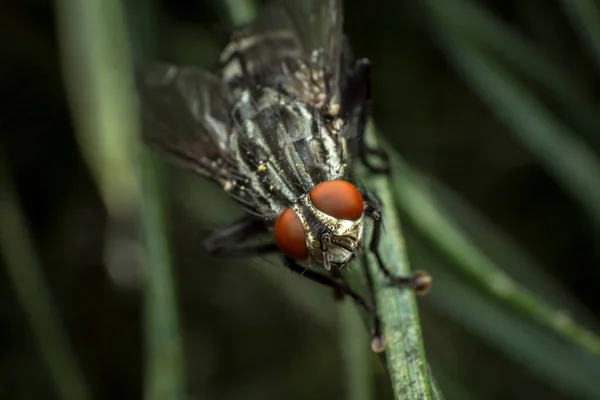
325,35
295,46
185,117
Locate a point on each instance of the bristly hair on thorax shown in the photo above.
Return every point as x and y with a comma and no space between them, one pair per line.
274,121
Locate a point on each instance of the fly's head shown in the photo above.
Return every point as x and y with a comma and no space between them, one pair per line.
325,225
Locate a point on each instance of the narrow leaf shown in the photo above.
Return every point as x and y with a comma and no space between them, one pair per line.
97,70
489,34
405,352
97,64
356,355
24,271
585,16
559,150
538,350
165,366
415,200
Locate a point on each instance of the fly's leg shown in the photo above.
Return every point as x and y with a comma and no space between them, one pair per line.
419,281
340,286
358,95
378,339
229,241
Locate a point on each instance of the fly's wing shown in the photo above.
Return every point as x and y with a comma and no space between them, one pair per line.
293,47
185,116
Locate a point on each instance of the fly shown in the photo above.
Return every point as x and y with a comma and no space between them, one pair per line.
278,127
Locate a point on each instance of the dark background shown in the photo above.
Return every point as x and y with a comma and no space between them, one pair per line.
246,335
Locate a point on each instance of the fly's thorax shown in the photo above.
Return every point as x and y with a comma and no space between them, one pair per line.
319,225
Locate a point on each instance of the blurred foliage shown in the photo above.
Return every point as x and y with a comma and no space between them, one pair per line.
492,106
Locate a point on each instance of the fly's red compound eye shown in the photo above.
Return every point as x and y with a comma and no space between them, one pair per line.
338,198
289,235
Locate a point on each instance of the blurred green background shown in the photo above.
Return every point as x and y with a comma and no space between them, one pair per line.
493,107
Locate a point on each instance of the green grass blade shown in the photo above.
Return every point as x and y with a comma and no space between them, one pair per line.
405,353
505,252
559,150
98,68
415,200
356,355
23,269
165,365
585,16
538,350
486,32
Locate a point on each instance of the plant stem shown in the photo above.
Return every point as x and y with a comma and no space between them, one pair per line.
405,351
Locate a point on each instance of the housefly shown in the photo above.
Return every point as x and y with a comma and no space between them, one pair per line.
277,127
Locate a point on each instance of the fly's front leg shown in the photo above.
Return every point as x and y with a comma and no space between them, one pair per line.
340,286
358,98
419,281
